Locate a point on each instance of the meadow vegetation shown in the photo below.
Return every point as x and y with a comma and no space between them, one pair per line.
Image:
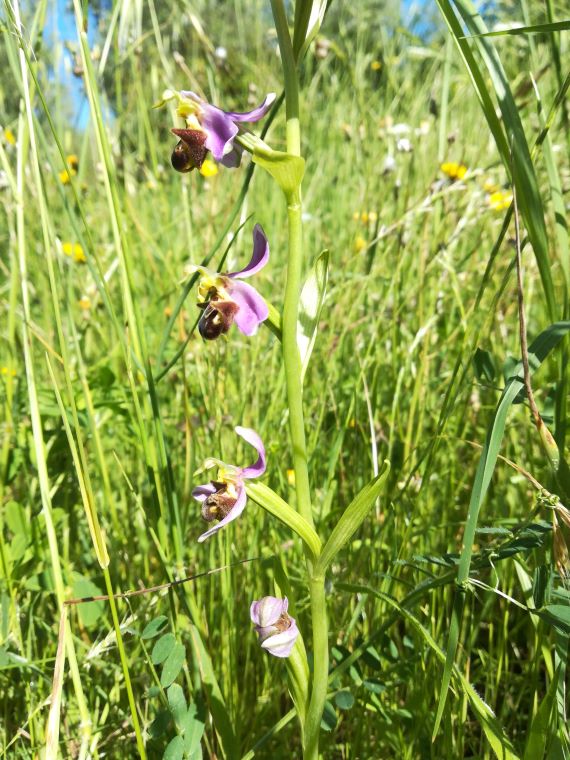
111,400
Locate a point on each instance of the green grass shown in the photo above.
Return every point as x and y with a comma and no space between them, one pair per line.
92,428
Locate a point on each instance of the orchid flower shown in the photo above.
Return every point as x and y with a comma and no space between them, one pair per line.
226,299
225,498
208,128
277,631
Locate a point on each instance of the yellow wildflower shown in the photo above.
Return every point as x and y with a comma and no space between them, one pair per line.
372,216
84,303
376,65
291,477
72,165
489,186
65,176
209,168
356,216
9,136
360,244
5,371
453,170
74,251
500,200
364,217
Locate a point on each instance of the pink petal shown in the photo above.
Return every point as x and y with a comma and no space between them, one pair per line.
252,308
201,493
259,257
257,113
220,130
281,644
258,468
267,611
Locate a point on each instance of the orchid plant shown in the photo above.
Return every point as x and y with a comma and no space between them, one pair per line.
226,299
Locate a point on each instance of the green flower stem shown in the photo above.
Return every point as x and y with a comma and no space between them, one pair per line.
292,358
320,668
292,361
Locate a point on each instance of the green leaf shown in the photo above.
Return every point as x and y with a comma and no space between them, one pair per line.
163,648
287,170
16,518
175,749
329,720
193,728
160,724
344,699
310,306
351,519
273,321
153,628
89,612
177,704
173,664
484,366
557,615
540,728
276,506
309,15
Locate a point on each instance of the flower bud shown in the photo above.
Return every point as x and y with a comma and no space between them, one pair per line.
277,631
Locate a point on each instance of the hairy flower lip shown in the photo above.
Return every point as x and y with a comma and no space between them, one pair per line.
190,152
231,475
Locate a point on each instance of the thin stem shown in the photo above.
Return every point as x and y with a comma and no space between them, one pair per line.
292,362
124,664
292,358
320,668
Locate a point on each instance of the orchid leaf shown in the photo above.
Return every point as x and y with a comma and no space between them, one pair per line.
309,15
273,321
310,307
287,170
276,506
351,519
